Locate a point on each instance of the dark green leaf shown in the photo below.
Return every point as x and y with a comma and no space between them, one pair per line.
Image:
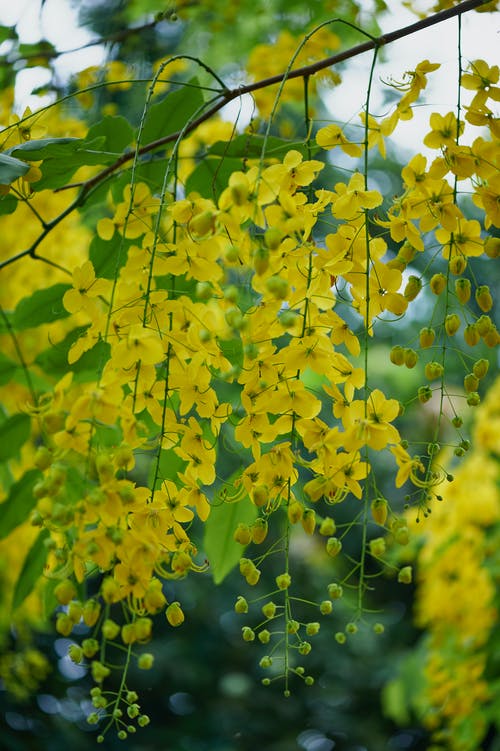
108,256
8,204
11,169
222,550
32,569
46,147
15,510
172,113
62,157
43,306
211,176
7,32
7,369
117,133
14,432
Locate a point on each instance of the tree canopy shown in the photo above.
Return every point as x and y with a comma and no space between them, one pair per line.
249,408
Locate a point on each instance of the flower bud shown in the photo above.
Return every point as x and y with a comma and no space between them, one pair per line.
269,609
411,357
471,383
412,288
64,624
377,547
90,647
129,635
261,260
43,458
312,628
405,575
457,264
427,336
462,290
325,607
259,530
143,629
397,355
174,614
438,283
473,399
110,629
433,370
277,287
424,394
273,237
308,521
264,636
242,534
452,324
484,324
327,527
283,581
378,508
295,512
247,633
333,546
260,495
75,653
91,612
241,605
480,368
471,335
335,591
483,298
145,661
65,591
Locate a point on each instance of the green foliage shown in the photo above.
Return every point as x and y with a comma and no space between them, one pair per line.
32,569
17,506
222,549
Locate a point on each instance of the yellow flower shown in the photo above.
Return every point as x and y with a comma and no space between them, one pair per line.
353,198
465,240
370,422
141,344
445,130
333,135
85,289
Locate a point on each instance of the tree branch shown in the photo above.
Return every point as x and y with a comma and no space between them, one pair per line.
227,95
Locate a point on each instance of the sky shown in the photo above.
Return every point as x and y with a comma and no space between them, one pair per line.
480,39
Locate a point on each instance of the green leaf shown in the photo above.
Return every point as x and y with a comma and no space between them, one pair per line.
43,306
15,510
117,133
32,569
11,169
211,176
222,550
14,432
7,369
8,204
108,256
172,113
62,157
7,32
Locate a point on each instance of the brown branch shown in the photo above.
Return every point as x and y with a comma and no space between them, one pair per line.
228,95
307,70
